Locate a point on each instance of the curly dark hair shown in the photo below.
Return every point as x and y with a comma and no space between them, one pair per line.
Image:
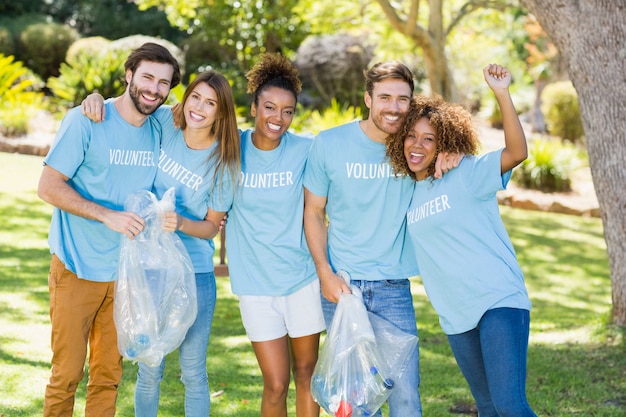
273,70
453,126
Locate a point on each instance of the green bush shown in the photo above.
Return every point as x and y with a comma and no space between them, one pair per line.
495,118
101,68
102,71
549,166
560,109
44,46
314,121
92,45
19,97
7,44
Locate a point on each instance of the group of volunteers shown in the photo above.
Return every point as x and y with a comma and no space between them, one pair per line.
370,200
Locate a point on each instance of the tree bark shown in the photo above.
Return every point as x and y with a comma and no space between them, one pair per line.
591,36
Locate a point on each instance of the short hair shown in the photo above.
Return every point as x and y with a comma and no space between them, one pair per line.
273,70
153,52
388,70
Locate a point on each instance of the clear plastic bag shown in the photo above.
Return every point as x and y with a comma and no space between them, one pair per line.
359,361
155,292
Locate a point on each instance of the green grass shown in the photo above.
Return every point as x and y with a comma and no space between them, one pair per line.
576,364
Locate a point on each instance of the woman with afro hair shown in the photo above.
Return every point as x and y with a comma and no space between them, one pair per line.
467,261
271,269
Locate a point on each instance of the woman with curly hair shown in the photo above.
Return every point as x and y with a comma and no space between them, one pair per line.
271,269
467,262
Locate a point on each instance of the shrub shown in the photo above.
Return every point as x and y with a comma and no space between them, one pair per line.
560,108
86,46
44,46
102,71
549,166
18,96
7,44
92,68
314,121
495,118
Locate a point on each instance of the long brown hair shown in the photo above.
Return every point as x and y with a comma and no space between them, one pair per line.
227,154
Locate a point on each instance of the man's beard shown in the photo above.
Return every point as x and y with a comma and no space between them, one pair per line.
385,126
141,107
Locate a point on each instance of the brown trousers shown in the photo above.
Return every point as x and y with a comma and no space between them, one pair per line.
81,313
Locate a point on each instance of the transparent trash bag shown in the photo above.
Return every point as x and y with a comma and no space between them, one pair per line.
155,292
362,357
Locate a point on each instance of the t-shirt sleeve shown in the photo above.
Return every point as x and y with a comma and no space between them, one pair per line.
221,199
68,149
485,177
165,117
315,176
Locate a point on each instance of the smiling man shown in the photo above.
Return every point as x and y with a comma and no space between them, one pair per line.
348,179
89,171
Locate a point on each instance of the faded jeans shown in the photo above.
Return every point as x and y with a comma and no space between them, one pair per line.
393,301
192,352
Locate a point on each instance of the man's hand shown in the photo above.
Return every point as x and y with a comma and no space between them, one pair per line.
124,222
332,286
93,107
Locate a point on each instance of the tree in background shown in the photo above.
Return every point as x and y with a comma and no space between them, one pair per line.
248,28
425,24
591,36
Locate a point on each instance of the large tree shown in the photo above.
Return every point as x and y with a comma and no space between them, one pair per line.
591,36
425,24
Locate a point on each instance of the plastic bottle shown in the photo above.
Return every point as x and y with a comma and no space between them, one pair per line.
139,344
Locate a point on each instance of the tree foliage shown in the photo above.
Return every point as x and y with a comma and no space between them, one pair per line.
112,19
425,24
248,28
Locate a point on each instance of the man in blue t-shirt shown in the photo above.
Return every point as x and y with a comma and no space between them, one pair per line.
90,170
348,179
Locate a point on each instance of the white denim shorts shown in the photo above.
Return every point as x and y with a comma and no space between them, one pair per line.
268,318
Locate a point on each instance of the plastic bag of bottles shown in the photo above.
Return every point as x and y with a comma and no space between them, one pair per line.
359,361
155,292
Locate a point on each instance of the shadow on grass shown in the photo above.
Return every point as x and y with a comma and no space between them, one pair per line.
565,265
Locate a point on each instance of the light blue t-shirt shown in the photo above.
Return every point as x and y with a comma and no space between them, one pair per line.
191,173
266,249
366,205
467,261
105,162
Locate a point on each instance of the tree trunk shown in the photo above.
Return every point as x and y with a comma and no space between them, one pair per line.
591,36
431,41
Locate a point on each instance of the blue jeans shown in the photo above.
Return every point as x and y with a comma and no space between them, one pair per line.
392,300
192,352
492,358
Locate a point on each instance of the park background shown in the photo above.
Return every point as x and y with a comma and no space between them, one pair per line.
54,53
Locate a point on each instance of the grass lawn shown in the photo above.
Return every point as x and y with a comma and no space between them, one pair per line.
576,363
